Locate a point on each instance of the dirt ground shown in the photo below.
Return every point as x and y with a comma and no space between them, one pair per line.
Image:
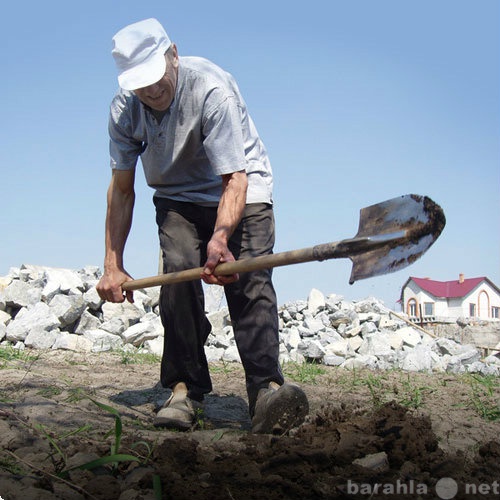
368,435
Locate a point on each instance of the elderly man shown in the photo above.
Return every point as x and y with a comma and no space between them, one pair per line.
201,153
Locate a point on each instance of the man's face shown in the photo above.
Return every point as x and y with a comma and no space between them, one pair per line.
159,95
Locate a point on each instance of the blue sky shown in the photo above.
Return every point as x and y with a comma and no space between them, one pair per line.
357,102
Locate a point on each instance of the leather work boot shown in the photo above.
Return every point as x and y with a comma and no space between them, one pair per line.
179,412
279,409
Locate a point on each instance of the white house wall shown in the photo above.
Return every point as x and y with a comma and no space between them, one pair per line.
455,308
484,297
442,308
413,291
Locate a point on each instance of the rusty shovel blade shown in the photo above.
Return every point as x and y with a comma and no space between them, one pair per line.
405,227
391,235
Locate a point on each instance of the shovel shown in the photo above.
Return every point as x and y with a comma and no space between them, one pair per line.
391,236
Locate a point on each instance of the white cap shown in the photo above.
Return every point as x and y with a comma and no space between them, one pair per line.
139,52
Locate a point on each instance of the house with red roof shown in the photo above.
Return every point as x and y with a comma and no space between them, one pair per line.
424,299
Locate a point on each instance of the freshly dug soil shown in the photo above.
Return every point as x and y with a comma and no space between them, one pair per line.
368,435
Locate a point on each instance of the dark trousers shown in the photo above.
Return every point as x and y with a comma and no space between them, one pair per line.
184,230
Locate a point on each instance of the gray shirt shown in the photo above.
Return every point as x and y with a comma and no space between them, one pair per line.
207,132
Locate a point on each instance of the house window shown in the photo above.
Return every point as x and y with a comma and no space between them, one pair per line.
495,312
412,308
472,310
428,308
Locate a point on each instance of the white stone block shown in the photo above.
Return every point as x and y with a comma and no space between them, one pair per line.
411,337
154,346
38,317
333,360
315,301
355,342
20,294
375,344
231,355
293,339
72,342
5,318
213,353
418,359
41,339
103,341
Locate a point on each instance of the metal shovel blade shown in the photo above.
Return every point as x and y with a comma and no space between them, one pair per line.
391,235
416,219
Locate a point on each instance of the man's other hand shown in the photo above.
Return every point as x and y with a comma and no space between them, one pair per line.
110,289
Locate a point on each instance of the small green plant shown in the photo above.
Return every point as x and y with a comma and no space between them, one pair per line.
139,358
147,446
351,378
6,399
218,435
50,391
483,396
223,367
157,490
73,362
142,425
55,440
375,385
11,466
412,395
199,420
9,353
305,373
77,394
115,457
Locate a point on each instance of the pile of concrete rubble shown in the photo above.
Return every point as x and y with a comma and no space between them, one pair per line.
52,308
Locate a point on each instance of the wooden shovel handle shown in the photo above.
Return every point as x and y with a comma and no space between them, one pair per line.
238,266
324,251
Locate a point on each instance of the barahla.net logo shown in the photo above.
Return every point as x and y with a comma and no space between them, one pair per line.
445,489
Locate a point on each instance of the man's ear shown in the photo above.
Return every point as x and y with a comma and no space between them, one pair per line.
174,55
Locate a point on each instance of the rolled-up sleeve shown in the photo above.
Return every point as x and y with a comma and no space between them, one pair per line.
223,137
124,149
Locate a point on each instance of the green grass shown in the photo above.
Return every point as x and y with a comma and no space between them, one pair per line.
354,378
223,367
305,373
77,394
412,396
48,392
9,354
199,419
484,396
139,358
9,465
377,386
405,391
